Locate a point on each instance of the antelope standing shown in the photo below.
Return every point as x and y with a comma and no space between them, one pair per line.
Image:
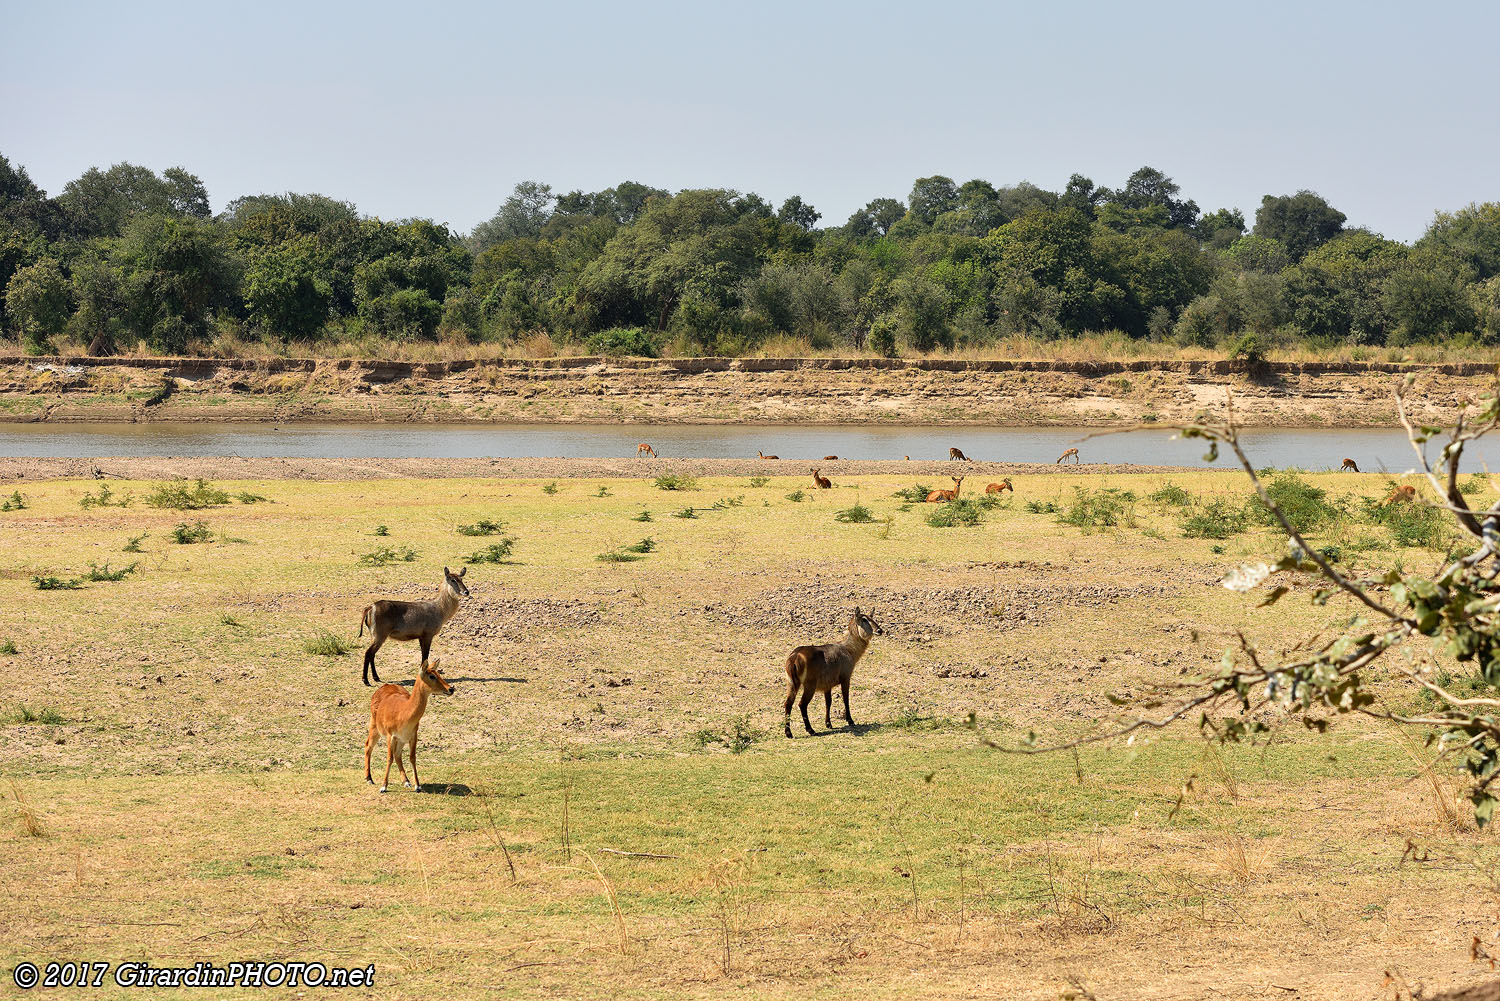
1350,465
765,456
411,620
644,448
1406,493
1003,485
817,669
958,454
821,482
1073,452
395,715
946,495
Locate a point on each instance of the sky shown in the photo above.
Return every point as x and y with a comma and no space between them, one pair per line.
1389,110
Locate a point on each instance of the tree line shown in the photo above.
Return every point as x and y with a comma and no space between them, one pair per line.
125,257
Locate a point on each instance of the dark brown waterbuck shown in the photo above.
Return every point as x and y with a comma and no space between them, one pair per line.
411,620
817,669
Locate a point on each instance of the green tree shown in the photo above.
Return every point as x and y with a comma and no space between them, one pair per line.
930,197
1300,222
37,301
875,219
1470,236
795,212
103,202
176,273
524,213
286,294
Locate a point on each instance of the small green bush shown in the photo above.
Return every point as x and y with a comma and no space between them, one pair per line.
1215,519
386,555
1043,507
603,491
674,482
963,512
51,583
105,497
484,526
246,497
685,513
325,644
624,341
1107,507
616,556
796,496
9,648
643,516
1475,484
1171,494
179,496
495,552
186,535
1306,507
724,503
549,488
857,515
15,502
101,574
646,545
913,495
382,531
759,481
133,544
46,717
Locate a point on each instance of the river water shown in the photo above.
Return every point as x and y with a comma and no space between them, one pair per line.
1373,449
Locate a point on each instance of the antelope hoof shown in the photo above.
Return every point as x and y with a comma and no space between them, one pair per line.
382,788
405,784
369,780
789,731
416,789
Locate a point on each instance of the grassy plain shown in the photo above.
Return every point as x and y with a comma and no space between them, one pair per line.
181,773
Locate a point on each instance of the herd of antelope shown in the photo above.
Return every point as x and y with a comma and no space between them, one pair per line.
396,713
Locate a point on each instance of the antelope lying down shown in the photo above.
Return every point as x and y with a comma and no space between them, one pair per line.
395,715
817,669
411,620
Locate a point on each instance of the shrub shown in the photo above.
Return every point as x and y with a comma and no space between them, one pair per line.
1216,519
483,526
179,497
325,644
1171,494
1305,506
14,502
104,498
133,544
246,497
1043,507
1415,525
796,496
1107,507
386,555
674,482
97,573
381,530
51,583
1475,484
619,341
643,516
616,556
914,494
858,515
963,512
685,513
759,481
646,545
9,648
603,491
47,717
495,552
549,488
186,535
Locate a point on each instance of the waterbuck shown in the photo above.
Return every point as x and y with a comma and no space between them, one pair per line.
957,454
411,620
395,715
817,669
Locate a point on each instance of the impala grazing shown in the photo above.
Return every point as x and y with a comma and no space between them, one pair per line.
395,715
1350,466
1073,452
645,448
817,669
937,496
411,620
958,454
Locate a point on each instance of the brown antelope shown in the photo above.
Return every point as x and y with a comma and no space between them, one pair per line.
830,458
1350,465
1073,452
411,620
817,669
1407,493
1001,487
907,458
644,448
765,456
395,715
958,454
946,495
821,482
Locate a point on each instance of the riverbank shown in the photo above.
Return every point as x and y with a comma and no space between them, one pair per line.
941,392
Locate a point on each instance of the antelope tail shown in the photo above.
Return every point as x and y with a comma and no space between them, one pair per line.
364,620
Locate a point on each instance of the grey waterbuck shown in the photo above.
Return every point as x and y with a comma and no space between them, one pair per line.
817,669
411,620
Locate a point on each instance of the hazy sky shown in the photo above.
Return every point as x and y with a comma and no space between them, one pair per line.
1390,110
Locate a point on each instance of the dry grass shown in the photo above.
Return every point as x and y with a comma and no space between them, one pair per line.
211,773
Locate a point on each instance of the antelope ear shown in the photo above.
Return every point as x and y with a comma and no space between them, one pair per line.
446,571
463,571
856,610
